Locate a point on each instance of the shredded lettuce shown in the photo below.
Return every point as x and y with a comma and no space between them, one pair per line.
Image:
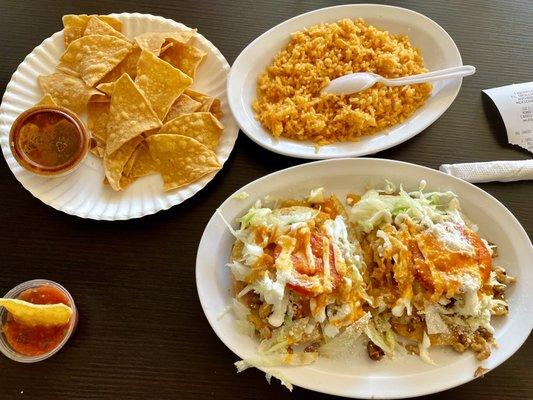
284,336
241,319
251,253
240,310
267,217
274,373
434,322
297,215
276,360
230,228
423,350
224,312
376,207
239,271
240,196
273,352
316,195
381,334
401,305
254,216
266,362
344,342
273,292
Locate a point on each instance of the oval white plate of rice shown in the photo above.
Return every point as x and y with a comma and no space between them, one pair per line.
274,84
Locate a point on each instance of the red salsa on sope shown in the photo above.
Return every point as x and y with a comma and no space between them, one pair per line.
35,340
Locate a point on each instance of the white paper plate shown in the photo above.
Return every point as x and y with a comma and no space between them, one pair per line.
437,48
82,193
405,376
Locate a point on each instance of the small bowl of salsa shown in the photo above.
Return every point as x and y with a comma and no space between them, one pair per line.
32,343
49,140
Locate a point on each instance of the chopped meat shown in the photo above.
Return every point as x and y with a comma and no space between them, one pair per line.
485,334
502,277
297,310
480,347
265,333
462,343
264,310
499,288
352,198
499,295
374,351
312,347
500,309
451,303
412,349
413,322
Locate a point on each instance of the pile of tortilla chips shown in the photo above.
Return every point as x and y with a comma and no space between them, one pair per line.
142,113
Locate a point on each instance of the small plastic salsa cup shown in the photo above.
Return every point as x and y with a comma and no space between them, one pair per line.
32,344
49,141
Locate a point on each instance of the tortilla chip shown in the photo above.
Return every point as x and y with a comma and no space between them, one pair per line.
209,104
98,115
216,110
126,66
75,25
161,82
92,57
131,161
144,163
107,87
96,26
47,100
100,98
151,132
126,181
67,91
165,47
130,114
183,105
206,100
114,163
180,159
202,126
97,148
184,57
153,41
98,151
37,314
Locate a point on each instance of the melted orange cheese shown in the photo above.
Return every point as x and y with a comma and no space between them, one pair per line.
422,257
443,270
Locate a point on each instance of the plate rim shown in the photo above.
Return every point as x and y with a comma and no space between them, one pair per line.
439,386
277,146
233,130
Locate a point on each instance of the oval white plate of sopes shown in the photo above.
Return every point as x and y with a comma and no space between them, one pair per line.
82,193
404,376
437,48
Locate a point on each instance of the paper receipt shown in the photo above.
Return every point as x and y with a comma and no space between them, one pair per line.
515,104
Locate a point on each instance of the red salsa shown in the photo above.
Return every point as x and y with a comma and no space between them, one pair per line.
36,340
48,141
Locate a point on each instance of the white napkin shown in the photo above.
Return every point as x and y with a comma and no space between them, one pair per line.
502,171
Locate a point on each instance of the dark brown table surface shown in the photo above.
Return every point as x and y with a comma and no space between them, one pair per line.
142,333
